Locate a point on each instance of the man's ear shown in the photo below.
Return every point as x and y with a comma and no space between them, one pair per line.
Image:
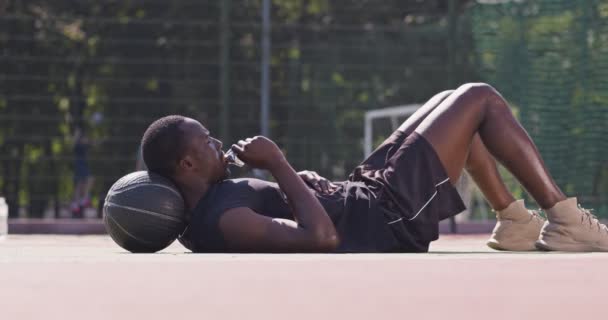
186,163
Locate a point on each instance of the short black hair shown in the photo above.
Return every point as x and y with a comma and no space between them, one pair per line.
163,145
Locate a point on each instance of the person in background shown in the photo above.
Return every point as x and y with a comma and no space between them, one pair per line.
82,175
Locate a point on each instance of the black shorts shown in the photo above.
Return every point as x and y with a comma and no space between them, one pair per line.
412,187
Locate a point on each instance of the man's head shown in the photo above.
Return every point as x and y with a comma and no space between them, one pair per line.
181,149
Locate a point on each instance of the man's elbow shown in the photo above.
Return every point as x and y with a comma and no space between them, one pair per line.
332,243
327,241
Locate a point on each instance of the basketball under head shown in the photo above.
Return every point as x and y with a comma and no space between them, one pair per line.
144,212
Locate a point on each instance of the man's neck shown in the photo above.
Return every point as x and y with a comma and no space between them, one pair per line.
193,192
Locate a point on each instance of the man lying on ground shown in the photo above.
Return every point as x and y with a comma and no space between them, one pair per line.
392,202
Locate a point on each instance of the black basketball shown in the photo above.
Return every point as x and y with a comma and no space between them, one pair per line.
144,212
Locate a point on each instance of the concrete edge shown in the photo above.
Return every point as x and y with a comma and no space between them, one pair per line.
56,226
96,227
468,227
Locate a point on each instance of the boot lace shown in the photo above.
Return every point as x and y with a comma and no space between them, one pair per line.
537,214
592,219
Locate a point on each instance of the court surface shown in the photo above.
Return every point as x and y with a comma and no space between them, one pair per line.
89,277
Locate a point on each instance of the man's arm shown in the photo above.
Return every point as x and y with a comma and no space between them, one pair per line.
246,230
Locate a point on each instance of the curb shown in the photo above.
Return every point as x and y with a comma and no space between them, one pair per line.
56,226
96,227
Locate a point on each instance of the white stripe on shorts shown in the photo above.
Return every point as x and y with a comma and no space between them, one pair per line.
425,205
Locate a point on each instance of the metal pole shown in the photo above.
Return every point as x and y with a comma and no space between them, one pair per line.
452,25
367,139
225,70
452,32
265,85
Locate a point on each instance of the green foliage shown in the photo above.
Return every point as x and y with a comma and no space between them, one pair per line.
134,61
548,57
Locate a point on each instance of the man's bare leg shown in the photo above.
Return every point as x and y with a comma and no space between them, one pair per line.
479,109
517,228
479,163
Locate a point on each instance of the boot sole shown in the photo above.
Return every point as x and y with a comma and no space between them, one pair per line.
493,244
567,246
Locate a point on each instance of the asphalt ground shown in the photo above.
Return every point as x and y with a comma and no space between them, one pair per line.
89,277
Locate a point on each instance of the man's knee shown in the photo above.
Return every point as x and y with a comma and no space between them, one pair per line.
443,94
478,88
439,97
485,95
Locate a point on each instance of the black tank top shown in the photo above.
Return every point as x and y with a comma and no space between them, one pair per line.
360,222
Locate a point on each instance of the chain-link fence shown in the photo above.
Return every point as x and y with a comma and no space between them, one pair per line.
108,68
549,58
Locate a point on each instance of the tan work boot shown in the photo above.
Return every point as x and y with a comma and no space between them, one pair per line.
572,228
517,228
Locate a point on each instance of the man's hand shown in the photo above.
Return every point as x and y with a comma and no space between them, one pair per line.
317,182
259,152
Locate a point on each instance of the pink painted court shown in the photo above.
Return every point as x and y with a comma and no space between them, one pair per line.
89,277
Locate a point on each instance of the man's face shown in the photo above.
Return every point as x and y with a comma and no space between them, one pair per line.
204,153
